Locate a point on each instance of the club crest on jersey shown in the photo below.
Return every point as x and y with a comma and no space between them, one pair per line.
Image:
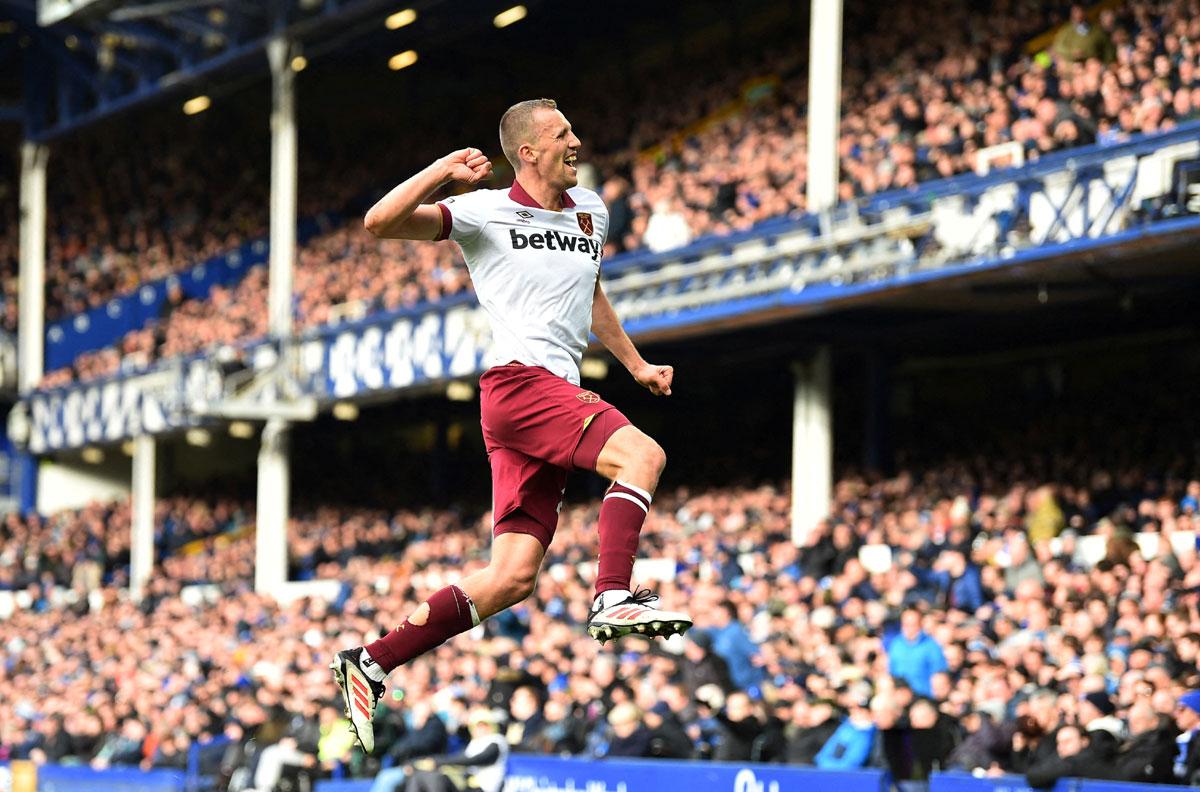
587,397
585,222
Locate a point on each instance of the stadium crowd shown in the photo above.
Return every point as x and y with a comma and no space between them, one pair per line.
967,617
920,103
344,274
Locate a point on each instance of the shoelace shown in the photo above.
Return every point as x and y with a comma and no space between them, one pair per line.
643,597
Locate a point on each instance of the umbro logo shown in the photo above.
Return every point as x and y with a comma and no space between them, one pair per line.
525,214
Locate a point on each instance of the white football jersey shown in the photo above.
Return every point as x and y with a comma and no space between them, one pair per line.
534,271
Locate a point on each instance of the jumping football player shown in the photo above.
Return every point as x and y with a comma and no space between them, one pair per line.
533,252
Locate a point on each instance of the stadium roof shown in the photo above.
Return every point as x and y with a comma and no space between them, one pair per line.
82,60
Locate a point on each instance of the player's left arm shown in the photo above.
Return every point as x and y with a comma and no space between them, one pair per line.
607,327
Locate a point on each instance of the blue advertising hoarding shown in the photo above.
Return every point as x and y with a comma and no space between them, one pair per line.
552,774
81,778
965,782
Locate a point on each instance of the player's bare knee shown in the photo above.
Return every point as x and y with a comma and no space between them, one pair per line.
519,584
655,458
646,464
515,583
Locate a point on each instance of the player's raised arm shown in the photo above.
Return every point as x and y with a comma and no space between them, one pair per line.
607,327
401,215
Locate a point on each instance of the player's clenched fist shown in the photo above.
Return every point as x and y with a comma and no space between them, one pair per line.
468,165
656,378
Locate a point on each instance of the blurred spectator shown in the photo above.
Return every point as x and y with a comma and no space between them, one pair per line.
125,747
482,761
1097,716
527,722
913,655
615,193
276,758
812,726
850,744
668,737
986,744
1074,757
1079,40
1187,757
630,737
732,643
933,739
1033,739
667,227
704,667
740,727
1148,755
958,581
421,733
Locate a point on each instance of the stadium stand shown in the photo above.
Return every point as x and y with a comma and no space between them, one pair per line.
942,618
345,274
922,116
118,221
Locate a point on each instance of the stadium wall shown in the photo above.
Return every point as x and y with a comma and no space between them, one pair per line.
67,486
552,774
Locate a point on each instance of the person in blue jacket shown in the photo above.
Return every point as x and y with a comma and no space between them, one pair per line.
733,644
850,746
913,655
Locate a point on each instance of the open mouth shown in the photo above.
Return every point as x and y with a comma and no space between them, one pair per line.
571,161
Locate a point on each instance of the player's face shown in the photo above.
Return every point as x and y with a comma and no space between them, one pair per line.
557,148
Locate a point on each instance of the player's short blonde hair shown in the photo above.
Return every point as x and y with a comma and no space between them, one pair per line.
516,127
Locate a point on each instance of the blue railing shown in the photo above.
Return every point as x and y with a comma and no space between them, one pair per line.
921,195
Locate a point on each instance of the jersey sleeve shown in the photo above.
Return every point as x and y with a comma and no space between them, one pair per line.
463,217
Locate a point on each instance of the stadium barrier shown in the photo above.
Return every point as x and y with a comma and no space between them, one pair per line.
1071,203
529,773
965,782
25,777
